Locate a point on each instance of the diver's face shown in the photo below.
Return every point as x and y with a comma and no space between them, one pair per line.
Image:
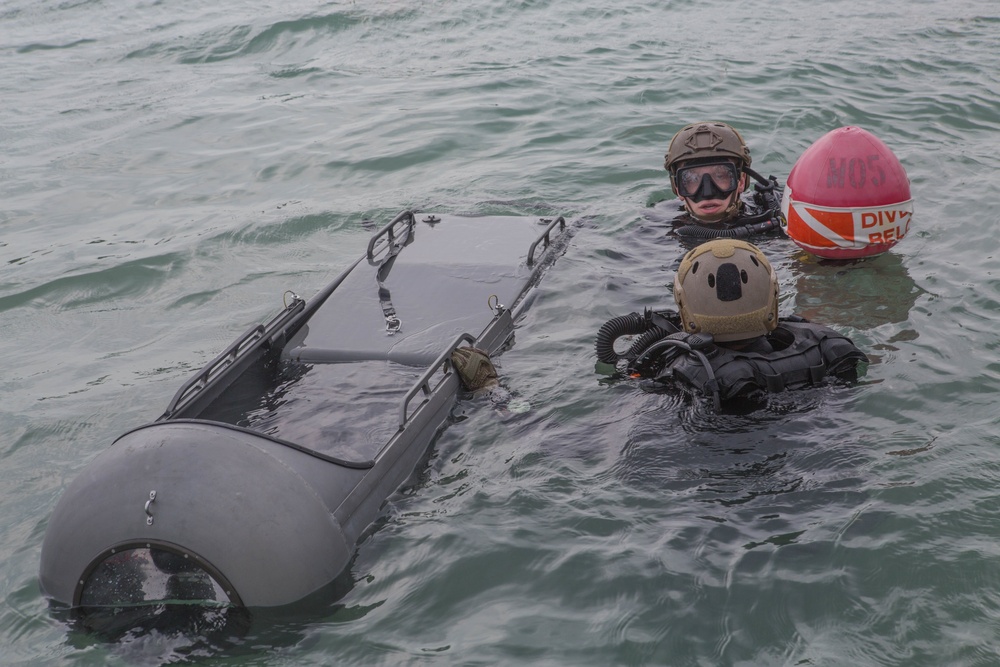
709,210
708,190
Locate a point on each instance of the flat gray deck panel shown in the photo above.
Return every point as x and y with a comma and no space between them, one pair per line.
440,285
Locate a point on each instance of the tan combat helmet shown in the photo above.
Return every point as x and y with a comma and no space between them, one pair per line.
727,288
706,140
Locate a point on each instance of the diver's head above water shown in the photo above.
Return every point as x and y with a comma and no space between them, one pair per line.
706,161
727,288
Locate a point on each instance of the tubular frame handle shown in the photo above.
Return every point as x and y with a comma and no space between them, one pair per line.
442,364
389,230
545,237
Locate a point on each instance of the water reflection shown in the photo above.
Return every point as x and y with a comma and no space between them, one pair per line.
862,294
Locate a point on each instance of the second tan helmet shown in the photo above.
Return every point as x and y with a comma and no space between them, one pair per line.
727,288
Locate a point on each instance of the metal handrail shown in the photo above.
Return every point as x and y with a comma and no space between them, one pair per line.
561,221
389,230
443,364
248,341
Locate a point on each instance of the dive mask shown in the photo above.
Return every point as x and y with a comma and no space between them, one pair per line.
707,181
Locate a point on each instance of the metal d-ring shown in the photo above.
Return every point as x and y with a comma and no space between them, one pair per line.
494,304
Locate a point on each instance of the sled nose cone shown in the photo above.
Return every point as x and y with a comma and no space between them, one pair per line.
189,511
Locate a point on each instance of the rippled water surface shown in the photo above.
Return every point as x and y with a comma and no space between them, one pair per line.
169,168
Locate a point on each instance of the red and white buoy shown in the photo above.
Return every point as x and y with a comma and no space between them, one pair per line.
847,197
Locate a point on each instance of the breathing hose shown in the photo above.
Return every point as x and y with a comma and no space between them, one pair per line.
653,340
649,327
741,232
640,344
712,385
632,324
760,223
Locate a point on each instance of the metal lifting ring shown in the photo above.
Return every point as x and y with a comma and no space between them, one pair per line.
149,515
494,304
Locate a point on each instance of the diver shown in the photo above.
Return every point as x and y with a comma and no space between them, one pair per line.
709,166
726,339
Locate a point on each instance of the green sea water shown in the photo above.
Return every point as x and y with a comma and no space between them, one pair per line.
168,168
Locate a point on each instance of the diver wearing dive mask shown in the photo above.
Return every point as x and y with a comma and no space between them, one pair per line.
709,165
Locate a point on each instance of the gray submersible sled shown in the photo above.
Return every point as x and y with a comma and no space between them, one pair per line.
255,484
